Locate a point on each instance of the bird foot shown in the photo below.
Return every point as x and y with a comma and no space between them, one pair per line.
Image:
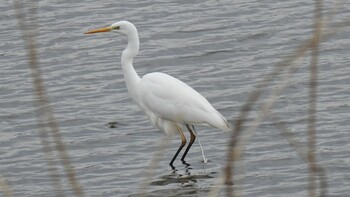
172,167
185,163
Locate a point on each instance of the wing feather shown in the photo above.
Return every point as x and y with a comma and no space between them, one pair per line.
171,99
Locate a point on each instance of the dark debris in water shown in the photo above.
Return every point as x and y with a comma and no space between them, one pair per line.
113,124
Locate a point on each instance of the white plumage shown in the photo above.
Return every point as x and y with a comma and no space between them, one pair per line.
167,98
169,103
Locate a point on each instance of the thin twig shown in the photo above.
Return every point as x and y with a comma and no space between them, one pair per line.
290,137
234,150
47,123
233,153
152,165
29,35
313,99
5,188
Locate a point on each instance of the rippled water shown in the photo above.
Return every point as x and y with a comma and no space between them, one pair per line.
221,48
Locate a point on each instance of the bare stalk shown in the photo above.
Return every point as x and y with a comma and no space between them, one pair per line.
234,149
153,165
313,99
47,124
5,188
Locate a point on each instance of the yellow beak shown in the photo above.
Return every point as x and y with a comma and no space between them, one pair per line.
104,29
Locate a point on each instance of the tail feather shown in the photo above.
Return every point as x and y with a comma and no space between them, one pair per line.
217,120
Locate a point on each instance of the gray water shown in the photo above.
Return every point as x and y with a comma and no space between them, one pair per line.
221,48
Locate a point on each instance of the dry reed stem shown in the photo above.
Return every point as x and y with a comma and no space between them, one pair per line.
47,124
263,112
152,165
289,135
5,188
217,185
233,153
29,37
313,99
234,150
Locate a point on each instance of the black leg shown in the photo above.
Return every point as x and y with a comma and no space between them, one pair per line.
183,143
193,138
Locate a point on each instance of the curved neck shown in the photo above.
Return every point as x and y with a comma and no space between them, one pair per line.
131,77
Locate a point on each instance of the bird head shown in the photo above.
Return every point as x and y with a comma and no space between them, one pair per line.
123,27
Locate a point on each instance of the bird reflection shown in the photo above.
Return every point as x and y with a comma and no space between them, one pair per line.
184,177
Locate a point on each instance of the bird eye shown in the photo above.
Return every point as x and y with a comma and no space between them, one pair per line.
116,27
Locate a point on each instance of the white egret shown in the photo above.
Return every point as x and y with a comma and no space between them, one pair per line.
169,103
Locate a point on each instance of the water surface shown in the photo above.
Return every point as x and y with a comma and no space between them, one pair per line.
221,48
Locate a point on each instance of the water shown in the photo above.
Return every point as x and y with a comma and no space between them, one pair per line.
220,48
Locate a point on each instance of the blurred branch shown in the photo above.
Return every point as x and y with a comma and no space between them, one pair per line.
236,143
5,188
152,165
29,36
311,156
47,124
290,137
234,149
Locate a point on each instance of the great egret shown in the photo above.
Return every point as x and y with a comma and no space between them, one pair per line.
169,103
